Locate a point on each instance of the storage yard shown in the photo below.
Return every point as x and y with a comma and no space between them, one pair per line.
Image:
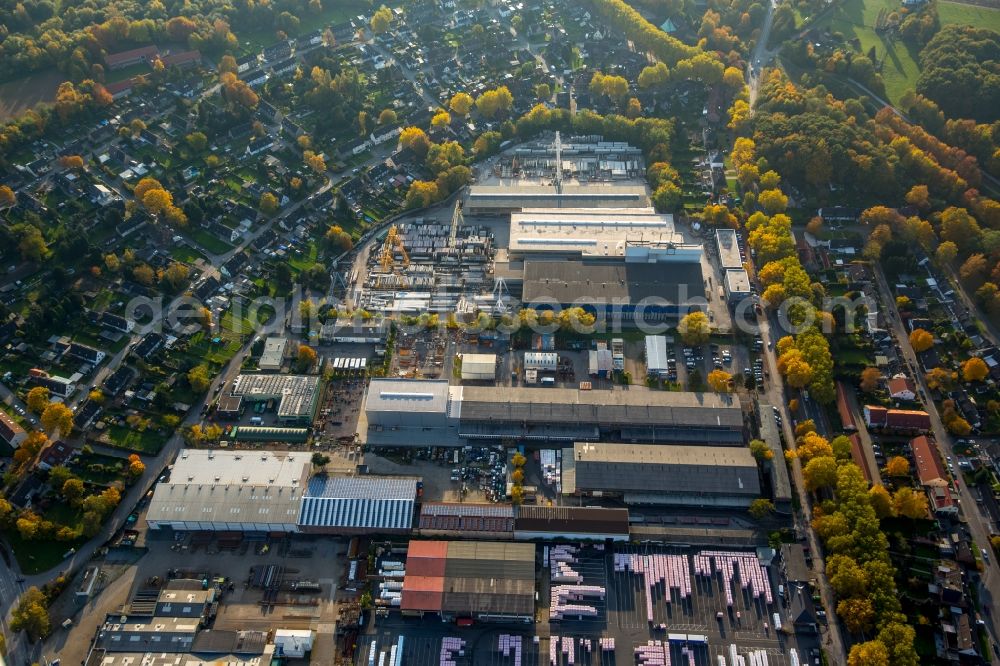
622,605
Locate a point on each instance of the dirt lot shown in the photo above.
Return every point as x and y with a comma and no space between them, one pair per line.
18,96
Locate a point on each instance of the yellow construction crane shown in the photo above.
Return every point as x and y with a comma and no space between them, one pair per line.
393,243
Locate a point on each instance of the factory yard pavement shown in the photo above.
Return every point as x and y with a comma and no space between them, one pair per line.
317,559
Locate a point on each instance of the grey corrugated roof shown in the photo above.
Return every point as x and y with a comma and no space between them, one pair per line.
573,281
666,468
359,502
637,406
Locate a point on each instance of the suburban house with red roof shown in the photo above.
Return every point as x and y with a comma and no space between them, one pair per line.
932,476
901,387
897,419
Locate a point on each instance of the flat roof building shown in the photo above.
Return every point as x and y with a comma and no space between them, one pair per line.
573,523
781,485
485,581
505,199
705,476
737,285
656,356
655,291
274,354
401,412
479,367
258,491
404,402
727,244
598,233
297,396
271,491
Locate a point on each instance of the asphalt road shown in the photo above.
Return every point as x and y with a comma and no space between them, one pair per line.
978,524
774,392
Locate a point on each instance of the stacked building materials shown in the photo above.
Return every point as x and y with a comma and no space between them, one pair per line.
562,595
755,657
449,647
653,653
728,563
569,649
511,645
671,570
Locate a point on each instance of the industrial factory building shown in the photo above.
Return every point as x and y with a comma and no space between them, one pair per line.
728,247
470,580
562,172
296,397
632,234
654,291
358,505
272,492
702,476
432,413
479,367
238,491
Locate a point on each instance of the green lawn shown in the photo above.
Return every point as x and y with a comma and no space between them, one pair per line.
856,19
113,468
240,326
210,242
123,437
332,13
203,348
981,17
299,263
186,254
38,556
900,70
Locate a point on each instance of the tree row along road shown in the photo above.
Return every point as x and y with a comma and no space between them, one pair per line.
775,394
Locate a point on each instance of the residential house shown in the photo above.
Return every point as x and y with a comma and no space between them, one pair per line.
314,38
259,145
285,66
902,387
277,51
86,414
57,386
117,382
55,454
254,78
11,433
355,147
148,346
266,111
839,214
291,129
247,63
382,134
932,476
116,322
343,33
897,419
123,59
101,194
85,353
